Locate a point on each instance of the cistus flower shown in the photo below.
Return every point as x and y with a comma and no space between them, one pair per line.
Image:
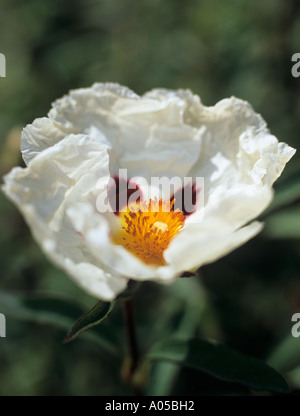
74,158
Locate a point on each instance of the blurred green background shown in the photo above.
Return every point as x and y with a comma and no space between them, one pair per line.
245,300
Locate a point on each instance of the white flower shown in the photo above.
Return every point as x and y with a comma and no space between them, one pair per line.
92,133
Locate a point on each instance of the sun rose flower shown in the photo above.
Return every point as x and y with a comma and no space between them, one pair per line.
88,196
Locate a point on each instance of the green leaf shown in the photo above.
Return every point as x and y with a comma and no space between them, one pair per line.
285,224
221,362
53,309
286,355
89,319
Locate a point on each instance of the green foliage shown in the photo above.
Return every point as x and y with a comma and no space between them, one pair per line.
89,319
61,312
221,362
286,355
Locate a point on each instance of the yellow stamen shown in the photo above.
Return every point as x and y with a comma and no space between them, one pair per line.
147,229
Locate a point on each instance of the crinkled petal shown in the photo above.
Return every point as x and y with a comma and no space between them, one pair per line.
62,173
40,135
146,136
239,161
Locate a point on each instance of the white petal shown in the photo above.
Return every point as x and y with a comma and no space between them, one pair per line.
65,172
239,161
40,135
147,136
202,244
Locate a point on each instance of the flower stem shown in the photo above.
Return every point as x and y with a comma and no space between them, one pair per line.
131,337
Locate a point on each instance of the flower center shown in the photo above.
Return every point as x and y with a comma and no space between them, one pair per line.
147,229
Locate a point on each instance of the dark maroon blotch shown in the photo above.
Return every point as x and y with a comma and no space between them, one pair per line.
186,199
120,191
187,274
